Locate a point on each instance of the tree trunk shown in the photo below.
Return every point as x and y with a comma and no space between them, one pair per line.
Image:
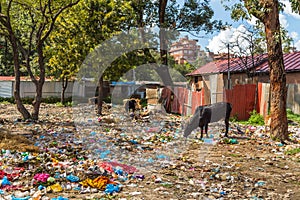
278,127
37,101
20,106
64,87
39,84
100,95
163,70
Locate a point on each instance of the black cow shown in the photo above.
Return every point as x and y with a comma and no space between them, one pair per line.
130,105
206,114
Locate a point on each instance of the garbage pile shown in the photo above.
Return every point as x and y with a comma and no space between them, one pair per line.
144,157
96,157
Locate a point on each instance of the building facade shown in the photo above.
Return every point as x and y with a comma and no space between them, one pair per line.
185,50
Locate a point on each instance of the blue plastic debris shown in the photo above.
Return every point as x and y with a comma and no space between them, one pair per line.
41,187
25,158
72,178
22,198
104,154
162,156
60,198
119,172
260,183
134,141
111,188
5,181
93,133
280,145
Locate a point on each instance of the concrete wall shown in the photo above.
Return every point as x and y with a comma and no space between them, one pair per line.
50,89
6,88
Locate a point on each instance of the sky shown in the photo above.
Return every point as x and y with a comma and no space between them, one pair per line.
215,42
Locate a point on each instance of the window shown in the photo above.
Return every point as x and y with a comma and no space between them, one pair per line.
196,79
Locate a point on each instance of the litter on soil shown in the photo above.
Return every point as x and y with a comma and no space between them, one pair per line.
73,154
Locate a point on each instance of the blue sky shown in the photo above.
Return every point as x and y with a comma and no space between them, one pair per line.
288,19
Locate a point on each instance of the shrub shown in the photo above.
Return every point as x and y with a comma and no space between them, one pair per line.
292,151
7,99
234,118
292,116
256,118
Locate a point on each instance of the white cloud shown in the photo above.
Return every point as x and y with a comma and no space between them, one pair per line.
294,35
283,21
288,9
297,45
218,44
252,21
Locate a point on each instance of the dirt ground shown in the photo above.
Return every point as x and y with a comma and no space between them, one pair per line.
251,167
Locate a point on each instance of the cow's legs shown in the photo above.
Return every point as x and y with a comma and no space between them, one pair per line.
227,127
206,129
201,127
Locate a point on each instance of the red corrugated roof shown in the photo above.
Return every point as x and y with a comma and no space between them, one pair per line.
291,62
23,78
7,78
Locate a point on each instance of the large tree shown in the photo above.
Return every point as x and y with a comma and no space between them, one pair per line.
6,64
27,25
80,31
267,11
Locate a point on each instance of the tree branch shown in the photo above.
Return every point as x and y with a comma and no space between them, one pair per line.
55,17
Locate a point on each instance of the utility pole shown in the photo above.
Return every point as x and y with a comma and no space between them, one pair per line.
228,72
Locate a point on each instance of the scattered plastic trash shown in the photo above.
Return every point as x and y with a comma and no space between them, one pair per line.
99,182
72,178
55,188
60,198
111,188
22,198
5,181
41,177
103,161
260,183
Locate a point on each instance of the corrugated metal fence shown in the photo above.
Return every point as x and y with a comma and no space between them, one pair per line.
244,99
186,101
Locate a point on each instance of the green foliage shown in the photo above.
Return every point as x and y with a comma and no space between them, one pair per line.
234,118
193,16
295,5
107,99
6,60
185,68
292,116
79,31
292,151
54,100
7,100
143,102
66,104
29,100
256,118
255,8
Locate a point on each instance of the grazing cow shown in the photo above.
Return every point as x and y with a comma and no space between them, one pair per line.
130,105
207,114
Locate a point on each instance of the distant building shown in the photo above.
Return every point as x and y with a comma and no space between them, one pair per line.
185,50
